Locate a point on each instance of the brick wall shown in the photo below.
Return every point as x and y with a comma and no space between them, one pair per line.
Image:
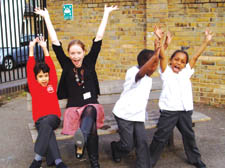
187,20
124,36
129,30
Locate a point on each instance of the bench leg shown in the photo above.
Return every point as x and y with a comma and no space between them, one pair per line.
171,140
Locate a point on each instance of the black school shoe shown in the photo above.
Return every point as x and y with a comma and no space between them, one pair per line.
61,165
36,164
200,164
79,144
115,155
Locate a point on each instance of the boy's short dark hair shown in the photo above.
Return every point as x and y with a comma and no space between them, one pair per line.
144,56
41,66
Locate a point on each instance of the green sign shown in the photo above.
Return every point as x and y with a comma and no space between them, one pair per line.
68,12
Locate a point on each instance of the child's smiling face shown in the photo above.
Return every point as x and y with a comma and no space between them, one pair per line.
43,78
178,62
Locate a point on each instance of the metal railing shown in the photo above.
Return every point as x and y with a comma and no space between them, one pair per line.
18,26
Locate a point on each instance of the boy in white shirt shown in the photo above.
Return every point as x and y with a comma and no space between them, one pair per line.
130,109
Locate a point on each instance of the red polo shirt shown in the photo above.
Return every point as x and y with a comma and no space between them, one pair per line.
44,99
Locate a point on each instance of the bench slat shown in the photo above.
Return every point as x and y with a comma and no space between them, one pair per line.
111,123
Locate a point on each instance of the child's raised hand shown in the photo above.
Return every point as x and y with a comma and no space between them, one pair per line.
110,8
168,38
208,35
157,44
33,42
31,46
42,42
44,13
158,32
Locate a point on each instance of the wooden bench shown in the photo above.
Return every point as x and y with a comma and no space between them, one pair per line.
110,91
111,126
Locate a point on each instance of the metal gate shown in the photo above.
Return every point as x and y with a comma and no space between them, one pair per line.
18,26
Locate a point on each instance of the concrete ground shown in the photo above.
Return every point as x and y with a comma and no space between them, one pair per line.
16,147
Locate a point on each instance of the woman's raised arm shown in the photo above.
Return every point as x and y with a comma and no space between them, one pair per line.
101,29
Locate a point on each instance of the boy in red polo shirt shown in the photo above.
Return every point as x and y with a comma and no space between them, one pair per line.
42,83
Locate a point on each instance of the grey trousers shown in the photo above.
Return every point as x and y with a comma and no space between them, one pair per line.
133,134
167,121
46,144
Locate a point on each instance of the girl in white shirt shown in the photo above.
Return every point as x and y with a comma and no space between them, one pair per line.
176,102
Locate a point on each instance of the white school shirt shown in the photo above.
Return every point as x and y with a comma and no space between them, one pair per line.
133,100
176,92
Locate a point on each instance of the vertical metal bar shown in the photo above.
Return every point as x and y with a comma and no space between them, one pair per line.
10,30
30,23
20,53
41,3
41,19
27,18
23,56
45,3
27,26
41,27
35,28
3,52
15,39
39,32
31,32
35,25
37,19
7,48
45,27
19,36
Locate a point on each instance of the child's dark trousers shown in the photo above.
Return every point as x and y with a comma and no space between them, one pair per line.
167,121
46,144
133,134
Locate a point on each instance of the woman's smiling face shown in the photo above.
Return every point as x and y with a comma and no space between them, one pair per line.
178,62
76,54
